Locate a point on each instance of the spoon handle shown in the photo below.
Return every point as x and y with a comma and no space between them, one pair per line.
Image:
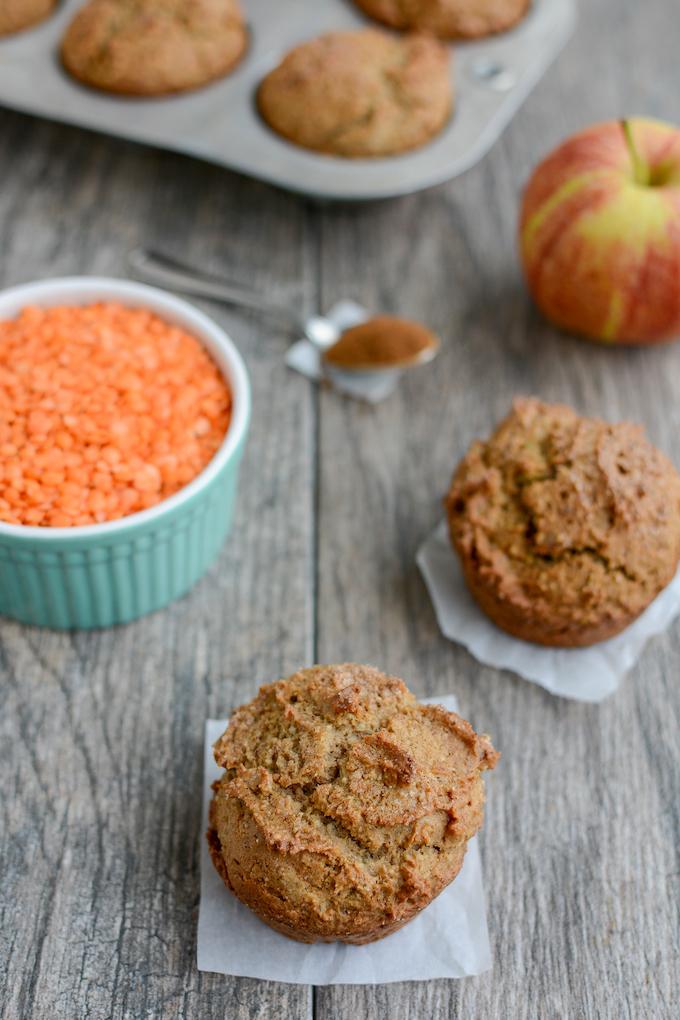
165,271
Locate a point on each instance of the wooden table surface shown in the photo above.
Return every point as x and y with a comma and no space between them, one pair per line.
102,732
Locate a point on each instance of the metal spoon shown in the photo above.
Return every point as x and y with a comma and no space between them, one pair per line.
166,271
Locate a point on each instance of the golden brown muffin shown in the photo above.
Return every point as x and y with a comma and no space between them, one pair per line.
18,14
566,527
346,806
153,47
363,93
449,19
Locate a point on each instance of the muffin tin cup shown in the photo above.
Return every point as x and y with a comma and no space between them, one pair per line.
104,574
492,78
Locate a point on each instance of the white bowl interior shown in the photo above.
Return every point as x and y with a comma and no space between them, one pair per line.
82,290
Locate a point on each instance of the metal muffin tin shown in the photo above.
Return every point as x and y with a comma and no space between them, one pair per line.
220,122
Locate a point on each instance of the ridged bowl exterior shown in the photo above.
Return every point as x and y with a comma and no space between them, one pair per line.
86,583
99,576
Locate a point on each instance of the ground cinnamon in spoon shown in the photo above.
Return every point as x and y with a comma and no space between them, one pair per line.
381,342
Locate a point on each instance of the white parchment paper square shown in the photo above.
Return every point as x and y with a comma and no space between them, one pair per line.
305,358
583,674
449,939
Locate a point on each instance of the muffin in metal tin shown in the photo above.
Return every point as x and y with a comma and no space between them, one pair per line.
359,94
449,19
16,15
153,47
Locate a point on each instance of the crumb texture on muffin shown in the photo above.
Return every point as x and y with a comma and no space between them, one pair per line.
450,19
153,47
346,806
567,527
18,14
362,93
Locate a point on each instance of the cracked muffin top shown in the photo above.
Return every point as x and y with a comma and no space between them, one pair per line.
567,527
18,14
362,93
450,19
153,47
346,805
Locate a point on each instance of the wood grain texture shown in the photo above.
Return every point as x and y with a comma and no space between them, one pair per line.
580,844
100,734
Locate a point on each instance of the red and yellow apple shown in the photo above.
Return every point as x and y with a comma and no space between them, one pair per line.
600,232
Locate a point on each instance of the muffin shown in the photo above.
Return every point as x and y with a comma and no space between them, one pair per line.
364,93
153,47
18,14
450,19
566,527
346,806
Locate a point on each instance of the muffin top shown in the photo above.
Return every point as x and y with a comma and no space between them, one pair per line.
569,519
450,19
151,47
361,93
369,795
18,14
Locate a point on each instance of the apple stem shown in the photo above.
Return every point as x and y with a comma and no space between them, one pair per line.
640,168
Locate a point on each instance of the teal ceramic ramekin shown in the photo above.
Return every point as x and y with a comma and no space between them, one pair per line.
104,574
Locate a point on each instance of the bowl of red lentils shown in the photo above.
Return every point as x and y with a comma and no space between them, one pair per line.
123,416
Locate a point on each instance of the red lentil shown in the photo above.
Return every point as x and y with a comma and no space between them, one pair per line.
104,411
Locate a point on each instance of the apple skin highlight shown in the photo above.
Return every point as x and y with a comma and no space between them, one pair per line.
600,233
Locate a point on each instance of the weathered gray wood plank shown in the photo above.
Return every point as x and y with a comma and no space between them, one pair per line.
581,840
102,733
100,817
